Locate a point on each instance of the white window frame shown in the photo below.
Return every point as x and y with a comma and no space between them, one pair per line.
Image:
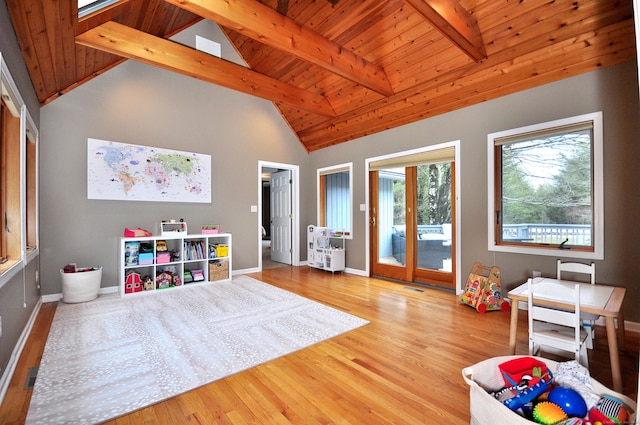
30,134
597,188
347,166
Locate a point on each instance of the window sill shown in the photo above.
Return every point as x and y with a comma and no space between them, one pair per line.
8,270
551,252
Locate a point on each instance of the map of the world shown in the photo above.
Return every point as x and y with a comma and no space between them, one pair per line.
120,171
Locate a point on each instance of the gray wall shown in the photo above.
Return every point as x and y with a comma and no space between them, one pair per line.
139,104
19,296
613,90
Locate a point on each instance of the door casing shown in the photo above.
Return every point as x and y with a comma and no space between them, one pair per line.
456,205
295,203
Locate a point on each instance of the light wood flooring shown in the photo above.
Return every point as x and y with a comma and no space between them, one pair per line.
402,368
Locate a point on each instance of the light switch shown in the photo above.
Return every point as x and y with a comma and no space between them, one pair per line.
254,208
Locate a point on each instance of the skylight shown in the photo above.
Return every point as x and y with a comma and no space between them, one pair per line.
85,7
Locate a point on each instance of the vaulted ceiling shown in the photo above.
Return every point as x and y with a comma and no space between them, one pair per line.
336,69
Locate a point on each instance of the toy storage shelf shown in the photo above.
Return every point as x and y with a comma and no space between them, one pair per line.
325,248
143,262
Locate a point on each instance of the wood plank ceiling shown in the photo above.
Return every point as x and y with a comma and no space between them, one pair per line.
336,70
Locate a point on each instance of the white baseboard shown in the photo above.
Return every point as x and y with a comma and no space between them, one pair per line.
245,271
17,351
356,272
51,298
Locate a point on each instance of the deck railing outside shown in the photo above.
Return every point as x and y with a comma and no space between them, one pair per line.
575,234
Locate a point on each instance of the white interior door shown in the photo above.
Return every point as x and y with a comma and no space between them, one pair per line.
281,216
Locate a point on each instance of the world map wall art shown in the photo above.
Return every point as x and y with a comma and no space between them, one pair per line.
120,171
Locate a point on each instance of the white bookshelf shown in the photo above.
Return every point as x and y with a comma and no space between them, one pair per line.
196,254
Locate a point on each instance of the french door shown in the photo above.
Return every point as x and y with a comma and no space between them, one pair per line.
412,222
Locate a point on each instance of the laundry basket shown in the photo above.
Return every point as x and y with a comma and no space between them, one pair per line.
485,377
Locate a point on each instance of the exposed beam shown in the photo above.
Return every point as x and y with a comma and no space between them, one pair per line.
127,42
259,22
452,20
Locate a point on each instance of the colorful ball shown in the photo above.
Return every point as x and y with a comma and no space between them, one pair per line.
569,401
547,413
609,409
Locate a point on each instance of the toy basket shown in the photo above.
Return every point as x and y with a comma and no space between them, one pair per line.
485,377
483,290
218,270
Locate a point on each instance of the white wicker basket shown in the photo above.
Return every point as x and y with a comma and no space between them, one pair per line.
485,377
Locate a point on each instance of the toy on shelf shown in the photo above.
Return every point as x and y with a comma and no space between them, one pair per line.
483,290
187,277
162,252
147,283
136,233
210,229
133,283
198,275
173,227
146,254
164,280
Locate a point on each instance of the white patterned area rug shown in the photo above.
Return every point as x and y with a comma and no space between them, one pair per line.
112,356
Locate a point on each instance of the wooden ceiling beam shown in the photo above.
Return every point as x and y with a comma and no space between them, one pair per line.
259,22
130,43
455,23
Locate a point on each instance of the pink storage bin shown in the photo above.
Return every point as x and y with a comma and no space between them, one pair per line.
163,257
210,229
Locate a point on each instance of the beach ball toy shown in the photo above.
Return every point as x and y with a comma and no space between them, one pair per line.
569,401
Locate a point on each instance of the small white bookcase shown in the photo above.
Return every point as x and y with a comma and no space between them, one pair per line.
325,248
190,259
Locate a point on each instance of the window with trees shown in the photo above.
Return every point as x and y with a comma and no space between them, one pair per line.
335,185
546,188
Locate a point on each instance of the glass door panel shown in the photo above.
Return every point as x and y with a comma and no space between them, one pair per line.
388,225
392,222
433,216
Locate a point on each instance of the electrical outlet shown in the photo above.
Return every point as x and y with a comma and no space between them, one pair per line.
536,273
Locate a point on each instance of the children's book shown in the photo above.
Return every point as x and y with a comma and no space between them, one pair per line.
131,251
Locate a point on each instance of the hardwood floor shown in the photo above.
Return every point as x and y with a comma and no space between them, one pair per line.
402,368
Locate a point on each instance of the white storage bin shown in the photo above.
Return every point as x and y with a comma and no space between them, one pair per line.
80,286
485,377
